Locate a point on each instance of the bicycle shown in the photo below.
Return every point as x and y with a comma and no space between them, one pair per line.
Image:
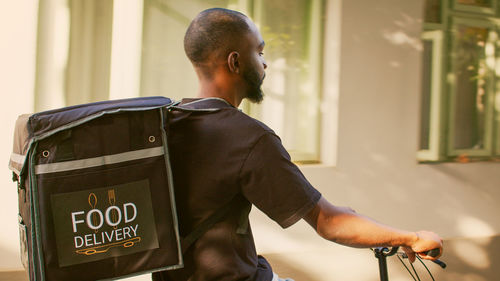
381,253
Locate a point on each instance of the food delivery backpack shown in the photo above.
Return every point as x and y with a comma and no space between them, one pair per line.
95,191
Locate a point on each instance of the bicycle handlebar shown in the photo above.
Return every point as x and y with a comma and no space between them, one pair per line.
389,252
381,253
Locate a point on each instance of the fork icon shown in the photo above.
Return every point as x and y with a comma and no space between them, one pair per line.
112,202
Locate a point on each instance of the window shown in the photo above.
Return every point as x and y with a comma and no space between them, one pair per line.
461,90
78,52
89,54
293,34
103,49
293,53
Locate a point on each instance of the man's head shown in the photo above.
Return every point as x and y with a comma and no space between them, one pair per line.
228,42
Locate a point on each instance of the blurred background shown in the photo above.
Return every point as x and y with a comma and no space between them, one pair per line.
390,107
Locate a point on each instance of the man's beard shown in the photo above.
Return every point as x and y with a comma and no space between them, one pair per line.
254,82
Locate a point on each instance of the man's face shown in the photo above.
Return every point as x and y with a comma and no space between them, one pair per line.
255,65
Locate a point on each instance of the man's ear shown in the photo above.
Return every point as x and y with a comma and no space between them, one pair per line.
233,62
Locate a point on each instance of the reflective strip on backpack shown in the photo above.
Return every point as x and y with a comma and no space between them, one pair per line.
99,161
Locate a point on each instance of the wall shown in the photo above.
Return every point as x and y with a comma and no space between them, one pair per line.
18,21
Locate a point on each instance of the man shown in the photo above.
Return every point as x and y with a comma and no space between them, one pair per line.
221,155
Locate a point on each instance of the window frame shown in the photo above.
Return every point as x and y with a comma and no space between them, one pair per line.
433,153
488,134
491,10
445,152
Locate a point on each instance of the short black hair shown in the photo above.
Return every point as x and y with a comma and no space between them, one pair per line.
214,32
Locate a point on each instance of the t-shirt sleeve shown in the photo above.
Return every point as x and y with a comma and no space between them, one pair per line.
274,184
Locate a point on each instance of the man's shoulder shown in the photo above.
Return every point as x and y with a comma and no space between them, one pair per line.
218,115
252,123
241,124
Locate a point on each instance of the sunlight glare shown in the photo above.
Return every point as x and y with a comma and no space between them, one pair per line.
401,38
470,226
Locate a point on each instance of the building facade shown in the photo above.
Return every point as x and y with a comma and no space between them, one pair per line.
390,107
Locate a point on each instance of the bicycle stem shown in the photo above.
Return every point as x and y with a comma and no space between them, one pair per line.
381,254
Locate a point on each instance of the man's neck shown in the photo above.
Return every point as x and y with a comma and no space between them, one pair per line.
233,102
219,88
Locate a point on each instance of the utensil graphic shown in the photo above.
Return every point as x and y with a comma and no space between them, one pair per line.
112,202
93,203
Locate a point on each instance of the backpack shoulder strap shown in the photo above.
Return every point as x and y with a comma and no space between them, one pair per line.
211,104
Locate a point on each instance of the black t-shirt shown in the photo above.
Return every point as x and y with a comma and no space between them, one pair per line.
216,156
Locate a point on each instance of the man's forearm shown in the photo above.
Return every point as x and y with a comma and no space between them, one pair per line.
344,226
351,229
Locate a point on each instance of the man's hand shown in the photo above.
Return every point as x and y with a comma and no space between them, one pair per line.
425,241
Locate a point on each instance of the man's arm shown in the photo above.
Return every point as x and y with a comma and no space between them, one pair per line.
344,226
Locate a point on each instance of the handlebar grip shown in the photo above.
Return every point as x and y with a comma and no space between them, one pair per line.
440,263
432,253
